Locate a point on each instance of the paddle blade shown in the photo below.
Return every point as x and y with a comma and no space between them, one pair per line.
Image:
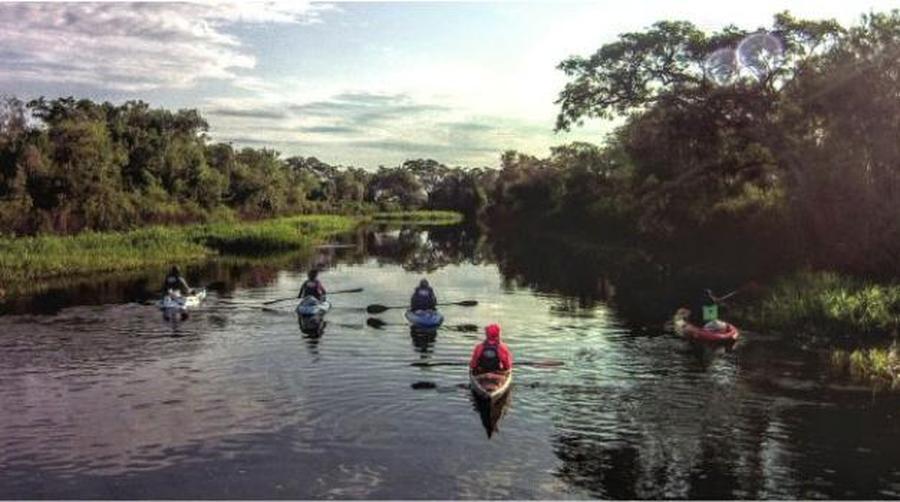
375,323
356,290
467,328
467,303
376,309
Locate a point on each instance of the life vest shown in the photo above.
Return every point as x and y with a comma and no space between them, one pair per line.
311,288
423,299
172,281
490,357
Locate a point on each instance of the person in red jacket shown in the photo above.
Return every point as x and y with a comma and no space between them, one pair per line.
492,354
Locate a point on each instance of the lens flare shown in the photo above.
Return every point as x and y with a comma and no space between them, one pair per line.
721,66
759,53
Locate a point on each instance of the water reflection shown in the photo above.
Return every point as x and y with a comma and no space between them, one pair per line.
491,411
423,340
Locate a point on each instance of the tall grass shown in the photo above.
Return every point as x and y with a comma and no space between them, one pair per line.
873,364
27,259
427,217
828,304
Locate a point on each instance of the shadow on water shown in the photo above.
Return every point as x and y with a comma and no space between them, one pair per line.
491,411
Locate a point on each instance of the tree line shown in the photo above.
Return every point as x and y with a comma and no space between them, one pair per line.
68,165
798,156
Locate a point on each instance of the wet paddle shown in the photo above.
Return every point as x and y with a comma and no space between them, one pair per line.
377,309
548,363
356,290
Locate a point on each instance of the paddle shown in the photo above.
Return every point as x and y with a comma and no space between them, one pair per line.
548,363
750,285
355,290
377,309
379,324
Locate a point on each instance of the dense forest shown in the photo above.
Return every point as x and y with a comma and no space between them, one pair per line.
794,148
68,165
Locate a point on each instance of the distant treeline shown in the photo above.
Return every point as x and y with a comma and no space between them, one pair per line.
798,157
69,165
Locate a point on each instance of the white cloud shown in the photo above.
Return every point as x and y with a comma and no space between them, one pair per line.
133,46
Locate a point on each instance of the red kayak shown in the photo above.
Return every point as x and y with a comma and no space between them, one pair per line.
729,334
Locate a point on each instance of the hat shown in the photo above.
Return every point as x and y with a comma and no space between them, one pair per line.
492,332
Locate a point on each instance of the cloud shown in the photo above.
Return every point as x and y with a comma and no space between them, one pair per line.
368,129
247,113
362,109
329,129
133,46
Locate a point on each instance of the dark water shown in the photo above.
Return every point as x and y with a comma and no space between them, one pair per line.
100,398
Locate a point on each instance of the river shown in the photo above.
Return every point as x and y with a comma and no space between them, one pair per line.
102,398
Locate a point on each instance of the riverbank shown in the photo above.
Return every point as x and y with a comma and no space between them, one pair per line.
859,319
26,260
424,217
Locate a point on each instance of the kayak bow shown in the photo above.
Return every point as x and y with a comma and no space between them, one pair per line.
490,385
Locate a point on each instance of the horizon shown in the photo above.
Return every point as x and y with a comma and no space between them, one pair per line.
351,84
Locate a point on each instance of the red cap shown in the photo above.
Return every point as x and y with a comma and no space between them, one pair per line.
492,332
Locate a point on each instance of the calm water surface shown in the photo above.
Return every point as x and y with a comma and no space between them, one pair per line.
100,398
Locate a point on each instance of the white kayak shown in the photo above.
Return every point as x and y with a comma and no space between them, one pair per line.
174,300
492,384
310,306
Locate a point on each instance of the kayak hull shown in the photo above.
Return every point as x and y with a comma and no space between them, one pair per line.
172,302
730,334
310,307
425,319
490,385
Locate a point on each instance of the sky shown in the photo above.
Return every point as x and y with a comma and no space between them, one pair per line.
363,84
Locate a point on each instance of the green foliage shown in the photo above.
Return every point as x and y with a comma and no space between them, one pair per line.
70,165
809,149
827,303
427,217
878,365
24,260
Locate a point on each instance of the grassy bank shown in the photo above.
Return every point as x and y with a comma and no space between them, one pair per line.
423,217
878,365
828,304
859,317
25,260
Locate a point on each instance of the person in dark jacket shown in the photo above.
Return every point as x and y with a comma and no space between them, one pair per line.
175,282
423,297
312,287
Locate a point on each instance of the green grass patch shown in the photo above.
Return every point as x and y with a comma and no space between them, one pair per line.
424,217
25,260
878,365
824,303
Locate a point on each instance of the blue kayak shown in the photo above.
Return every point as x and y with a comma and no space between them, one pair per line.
424,318
310,306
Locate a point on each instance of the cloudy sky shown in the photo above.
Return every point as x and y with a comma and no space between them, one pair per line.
350,83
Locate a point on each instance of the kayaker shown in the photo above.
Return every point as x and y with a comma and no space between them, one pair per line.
492,354
174,281
312,287
423,297
682,322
